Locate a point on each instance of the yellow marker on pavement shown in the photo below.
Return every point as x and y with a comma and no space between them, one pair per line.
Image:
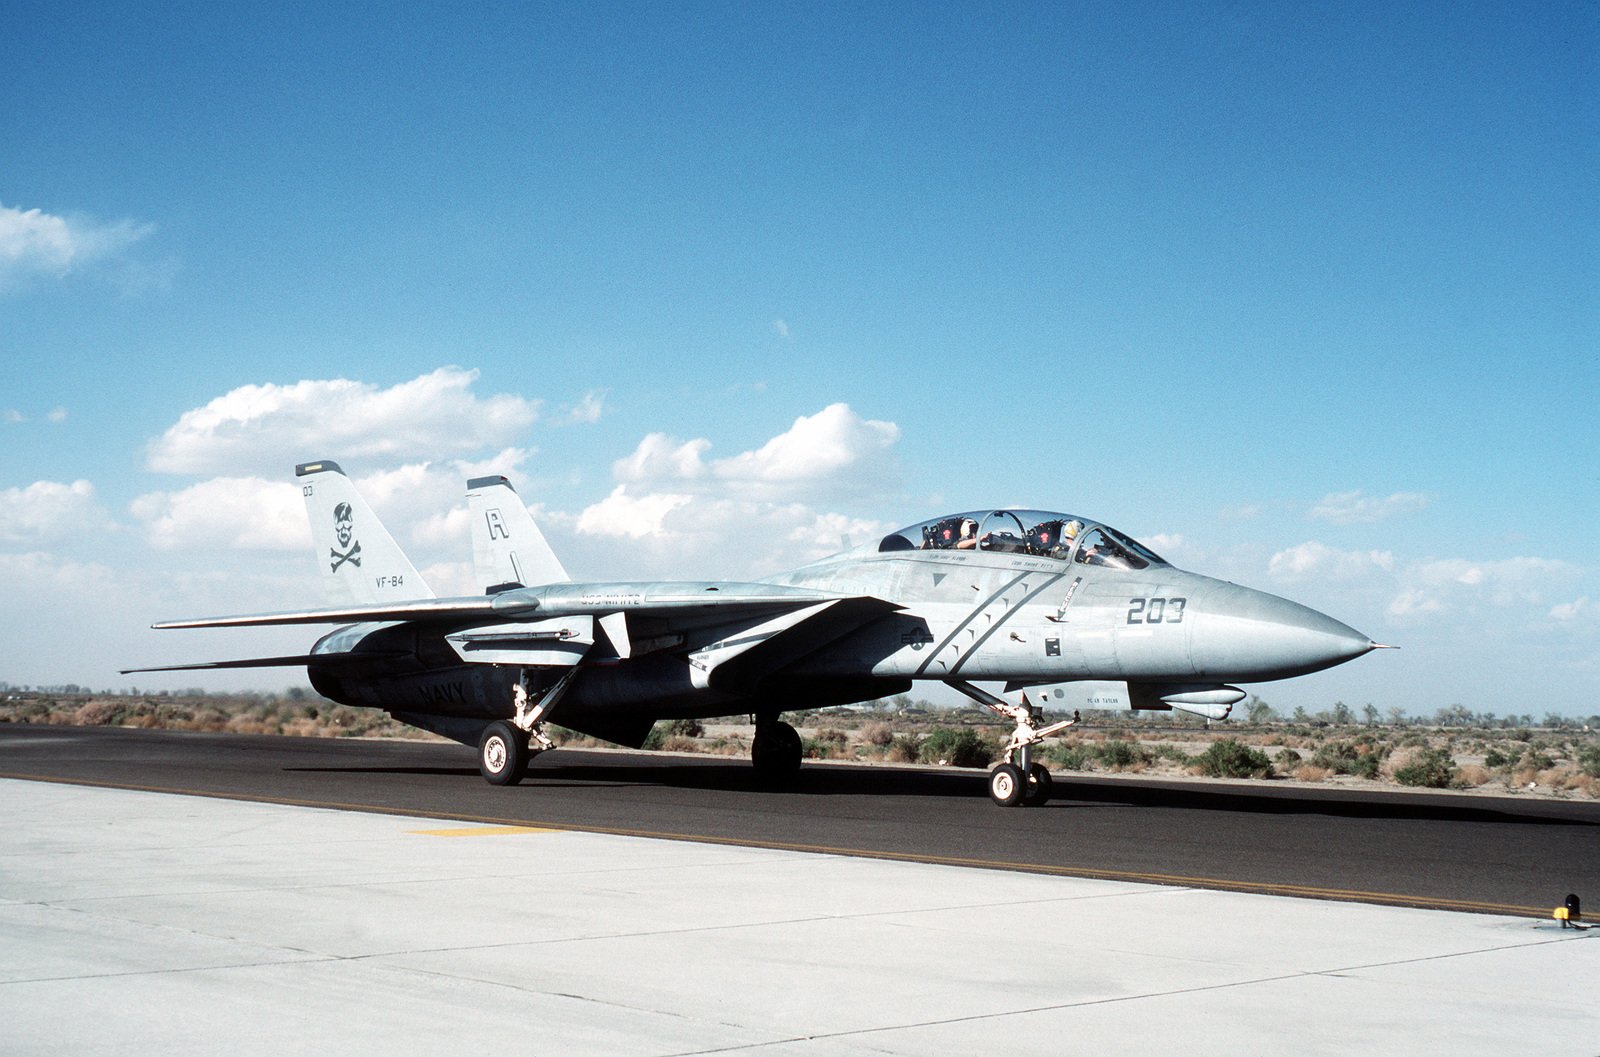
481,831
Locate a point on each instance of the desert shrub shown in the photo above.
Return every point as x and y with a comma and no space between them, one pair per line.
1173,753
686,728
1070,756
1496,759
1589,761
958,748
1367,764
821,749
1119,755
1233,759
101,713
1287,760
903,749
656,738
1470,776
879,734
679,743
1348,757
1536,760
1310,772
1431,769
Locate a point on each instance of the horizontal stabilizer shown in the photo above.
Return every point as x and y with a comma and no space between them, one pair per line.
422,609
297,661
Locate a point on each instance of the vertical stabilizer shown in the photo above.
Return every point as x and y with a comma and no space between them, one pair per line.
508,550
360,561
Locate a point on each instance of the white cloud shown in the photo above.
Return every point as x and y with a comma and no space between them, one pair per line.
589,409
269,428
503,463
47,510
780,328
1314,559
1570,610
764,509
33,242
58,414
1166,544
834,452
1358,508
634,517
835,448
658,459
14,417
827,533
445,527
1504,582
225,513
1439,585
1413,601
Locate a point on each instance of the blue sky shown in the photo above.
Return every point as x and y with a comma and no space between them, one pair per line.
1309,299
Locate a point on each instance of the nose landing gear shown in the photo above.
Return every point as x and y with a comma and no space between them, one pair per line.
1017,780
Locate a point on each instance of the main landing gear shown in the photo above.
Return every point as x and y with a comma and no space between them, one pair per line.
508,745
775,751
1017,780
503,753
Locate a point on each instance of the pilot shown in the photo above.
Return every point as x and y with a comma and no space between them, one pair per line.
969,535
1069,536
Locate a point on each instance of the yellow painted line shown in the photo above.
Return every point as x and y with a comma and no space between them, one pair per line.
1092,873
482,831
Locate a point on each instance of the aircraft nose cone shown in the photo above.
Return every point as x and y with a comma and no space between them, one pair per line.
1251,634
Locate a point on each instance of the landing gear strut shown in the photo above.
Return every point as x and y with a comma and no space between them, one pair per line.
1017,779
507,746
776,750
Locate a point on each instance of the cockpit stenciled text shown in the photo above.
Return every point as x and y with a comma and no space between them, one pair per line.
634,599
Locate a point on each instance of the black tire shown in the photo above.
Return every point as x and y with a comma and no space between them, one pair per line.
1006,785
502,753
1039,783
776,750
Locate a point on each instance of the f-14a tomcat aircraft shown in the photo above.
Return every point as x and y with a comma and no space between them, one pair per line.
1063,610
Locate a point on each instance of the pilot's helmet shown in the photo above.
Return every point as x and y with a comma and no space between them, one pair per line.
1070,530
969,528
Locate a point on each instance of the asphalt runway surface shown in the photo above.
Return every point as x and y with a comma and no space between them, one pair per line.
1490,854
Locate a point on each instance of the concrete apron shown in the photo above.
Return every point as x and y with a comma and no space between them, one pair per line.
143,923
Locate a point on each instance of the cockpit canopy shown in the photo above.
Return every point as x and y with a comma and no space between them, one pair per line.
1040,533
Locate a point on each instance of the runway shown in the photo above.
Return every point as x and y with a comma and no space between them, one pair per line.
1492,855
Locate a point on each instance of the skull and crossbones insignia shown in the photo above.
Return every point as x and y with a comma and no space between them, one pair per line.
344,529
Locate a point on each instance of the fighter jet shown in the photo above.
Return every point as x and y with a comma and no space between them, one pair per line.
1061,610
